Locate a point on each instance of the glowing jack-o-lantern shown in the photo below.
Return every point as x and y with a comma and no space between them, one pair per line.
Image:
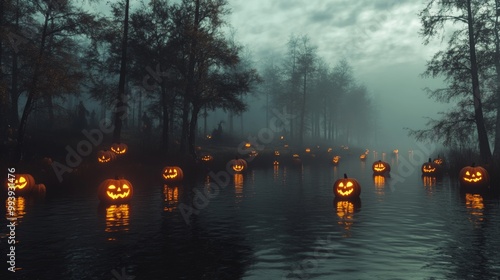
439,161
362,157
346,188
473,176
207,158
115,191
430,168
20,183
105,156
248,145
381,167
119,148
172,174
308,150
276,162
276,153
238,165
336,160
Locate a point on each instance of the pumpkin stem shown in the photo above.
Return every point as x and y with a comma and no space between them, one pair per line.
345,176
430,159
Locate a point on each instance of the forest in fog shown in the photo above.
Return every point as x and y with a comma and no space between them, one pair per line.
162,68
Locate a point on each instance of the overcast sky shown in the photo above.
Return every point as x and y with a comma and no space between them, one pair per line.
380,38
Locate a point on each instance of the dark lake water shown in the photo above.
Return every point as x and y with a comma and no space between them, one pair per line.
269,223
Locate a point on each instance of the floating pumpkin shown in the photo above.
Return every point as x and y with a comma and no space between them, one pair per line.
276,162
474,176
248,145
238,165
308,150
439,161
362,157
172,174
114,191
253,153
346,188
430,168
395,151
105,156
276,153
381,167
21,183
119,148
336,160
207,158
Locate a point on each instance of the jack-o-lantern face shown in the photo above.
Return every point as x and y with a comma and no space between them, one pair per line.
119,148
115,191
381,167
276,153
439,161
21,183
238,165
207,158
362,157
172,173
336,160
346,188
105,156
474,176
430,168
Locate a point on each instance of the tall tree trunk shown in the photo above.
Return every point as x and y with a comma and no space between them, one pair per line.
192,130
303,111
496,150
484,146
120,104
166,122
190,80
31,92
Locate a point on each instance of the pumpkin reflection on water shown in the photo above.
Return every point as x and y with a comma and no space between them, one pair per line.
15,207
170,197
474,203
345,210
117,218
238,185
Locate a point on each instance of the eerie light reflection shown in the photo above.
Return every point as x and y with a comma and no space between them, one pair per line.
429,181
170,198
117,219
379,182
475,206
345,212
238,187
17,209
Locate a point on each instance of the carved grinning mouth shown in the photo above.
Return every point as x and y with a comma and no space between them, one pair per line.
171,173
115,195
21,183
345,190
474,178
237,167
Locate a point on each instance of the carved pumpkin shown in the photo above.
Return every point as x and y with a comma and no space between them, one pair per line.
308,150
329,150
119,148
248,145
474,176
238,165
362,157
276,162
114,191
20,184
105,156
430,168
346,188
367,152
381,167
207,158
172,174
336,160
439,161
276,153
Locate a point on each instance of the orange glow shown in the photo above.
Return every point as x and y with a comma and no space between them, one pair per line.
379,180
117,218
170,197
429,181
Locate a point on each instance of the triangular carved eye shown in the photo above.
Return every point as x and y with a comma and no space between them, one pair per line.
467,173
349,184
341,184
478,174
